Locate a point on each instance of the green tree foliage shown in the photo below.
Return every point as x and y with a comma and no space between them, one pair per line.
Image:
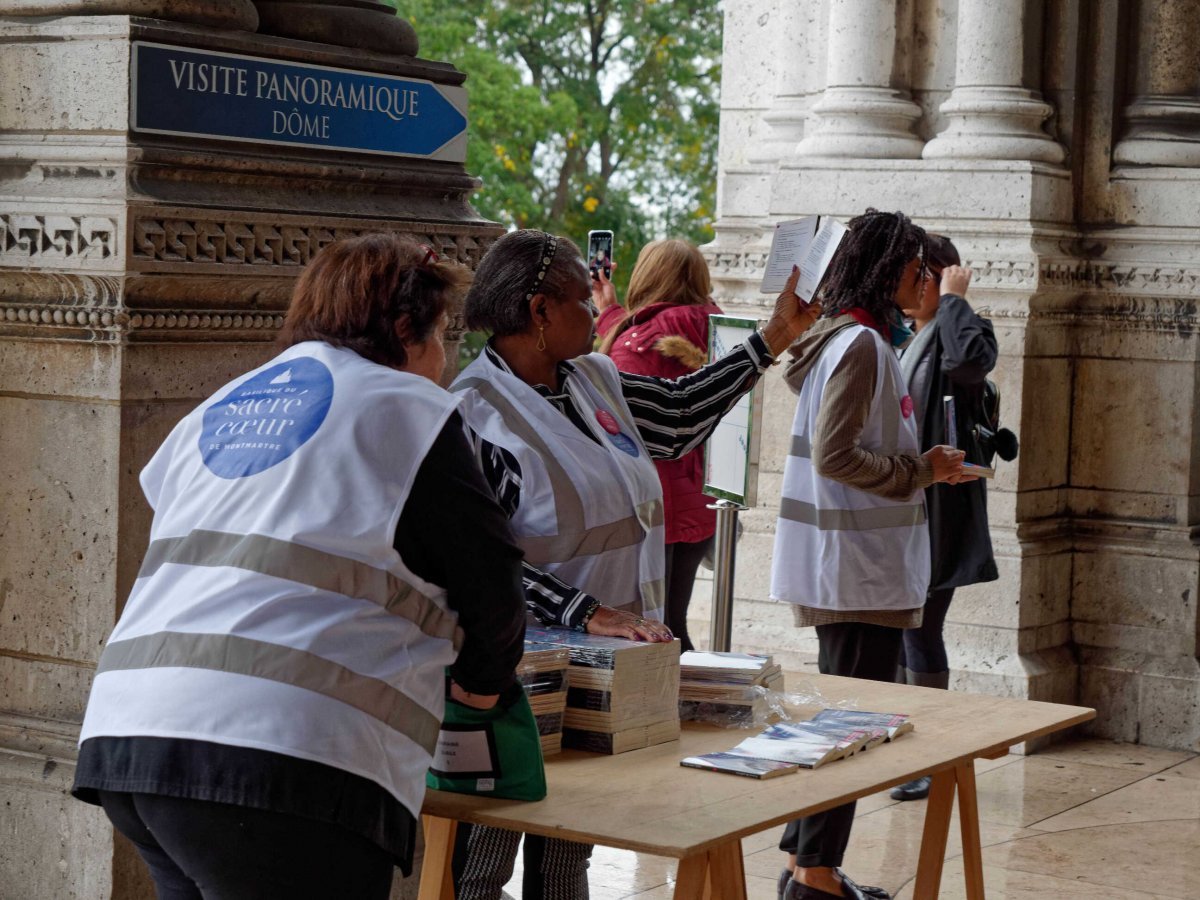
587,114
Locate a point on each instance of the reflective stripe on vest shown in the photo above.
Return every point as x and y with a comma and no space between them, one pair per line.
851,519
274,662
573,537
305,565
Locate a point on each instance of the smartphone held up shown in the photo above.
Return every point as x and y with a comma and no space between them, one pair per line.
600,250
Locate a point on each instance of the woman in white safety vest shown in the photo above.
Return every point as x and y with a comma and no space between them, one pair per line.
568,444
323,547
851,545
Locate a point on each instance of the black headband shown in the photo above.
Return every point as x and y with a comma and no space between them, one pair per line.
546,257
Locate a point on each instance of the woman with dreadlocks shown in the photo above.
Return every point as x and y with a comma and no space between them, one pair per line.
851,547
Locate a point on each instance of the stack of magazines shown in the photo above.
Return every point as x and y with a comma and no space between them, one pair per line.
726,688
830,734
623,695
543,674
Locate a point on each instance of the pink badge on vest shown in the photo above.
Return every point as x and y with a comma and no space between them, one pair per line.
607,421
906,406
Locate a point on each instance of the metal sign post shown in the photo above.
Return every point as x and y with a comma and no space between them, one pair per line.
724,563
730,475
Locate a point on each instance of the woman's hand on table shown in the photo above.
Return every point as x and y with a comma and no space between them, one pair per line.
791,318
604,294
618,623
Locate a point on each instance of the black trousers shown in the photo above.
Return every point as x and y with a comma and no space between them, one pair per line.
200,850
683,559
856,650
925,647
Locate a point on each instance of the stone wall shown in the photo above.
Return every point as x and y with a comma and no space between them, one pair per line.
1056,142
138,274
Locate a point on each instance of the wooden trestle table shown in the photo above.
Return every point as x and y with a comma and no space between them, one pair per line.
646,802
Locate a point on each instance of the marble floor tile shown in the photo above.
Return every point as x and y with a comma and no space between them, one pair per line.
1189,769
1130,757
1173,794
1003,884
1159,858
1032,789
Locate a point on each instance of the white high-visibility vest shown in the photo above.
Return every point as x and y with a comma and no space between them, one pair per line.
838,547
591,510
272,610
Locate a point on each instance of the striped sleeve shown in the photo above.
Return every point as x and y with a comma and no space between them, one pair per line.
551,600
675,416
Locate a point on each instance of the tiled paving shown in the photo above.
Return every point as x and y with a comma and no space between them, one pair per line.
1085,819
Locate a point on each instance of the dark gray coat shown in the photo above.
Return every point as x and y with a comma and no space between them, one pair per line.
962,353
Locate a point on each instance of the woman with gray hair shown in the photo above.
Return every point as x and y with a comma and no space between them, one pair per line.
567,443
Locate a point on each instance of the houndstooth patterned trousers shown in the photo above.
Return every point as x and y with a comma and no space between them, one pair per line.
484,857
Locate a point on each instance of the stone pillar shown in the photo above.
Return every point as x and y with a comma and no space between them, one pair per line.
991,113
1163,119
217,13
863,113
364,24
795,31
140,271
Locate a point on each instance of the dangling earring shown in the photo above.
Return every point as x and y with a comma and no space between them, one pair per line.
541,344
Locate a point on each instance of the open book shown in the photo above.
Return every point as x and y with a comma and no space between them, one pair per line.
808,243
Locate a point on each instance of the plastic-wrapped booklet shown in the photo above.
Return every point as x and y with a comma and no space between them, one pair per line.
809,752
737,764
848,740
895,723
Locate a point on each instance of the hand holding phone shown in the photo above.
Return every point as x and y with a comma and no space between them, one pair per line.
600,253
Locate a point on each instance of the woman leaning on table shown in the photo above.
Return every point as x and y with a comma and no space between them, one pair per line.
567,443
322,548
851,545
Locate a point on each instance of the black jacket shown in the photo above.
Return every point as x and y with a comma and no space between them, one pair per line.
962,352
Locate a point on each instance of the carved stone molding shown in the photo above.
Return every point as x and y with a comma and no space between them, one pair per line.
36,240
1157,280
179,240
169,251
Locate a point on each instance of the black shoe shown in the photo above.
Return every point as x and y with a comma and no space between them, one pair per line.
850,891
863,890
917,789
797,891
784,877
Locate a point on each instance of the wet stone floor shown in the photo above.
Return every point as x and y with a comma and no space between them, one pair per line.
1087,818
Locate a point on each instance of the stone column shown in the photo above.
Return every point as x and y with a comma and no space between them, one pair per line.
218,13
863,113
364,24
1163,119
991,113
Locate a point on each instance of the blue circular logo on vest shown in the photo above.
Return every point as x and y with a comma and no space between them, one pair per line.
266,419
624,442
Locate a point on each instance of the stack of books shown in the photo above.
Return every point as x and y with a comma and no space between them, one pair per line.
831,734
726,688
622,695
543,674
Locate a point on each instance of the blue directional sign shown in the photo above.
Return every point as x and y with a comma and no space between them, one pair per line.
227,96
